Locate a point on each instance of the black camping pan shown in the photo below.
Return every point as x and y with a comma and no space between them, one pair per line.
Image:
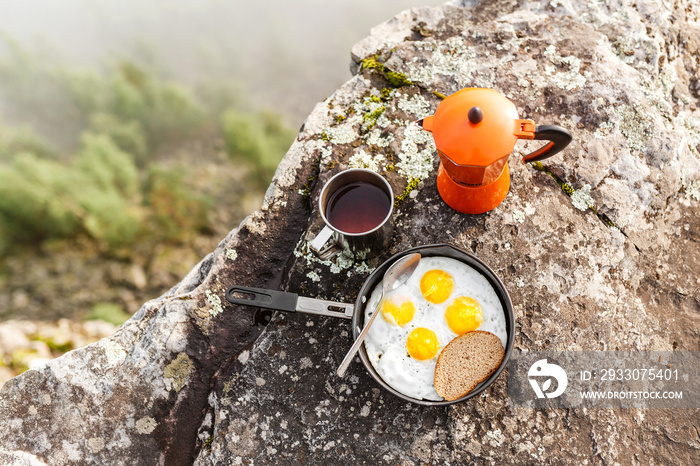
291,302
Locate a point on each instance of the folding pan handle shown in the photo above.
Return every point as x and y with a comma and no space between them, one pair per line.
288,302
259,297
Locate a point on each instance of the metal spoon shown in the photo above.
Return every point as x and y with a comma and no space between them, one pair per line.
396,276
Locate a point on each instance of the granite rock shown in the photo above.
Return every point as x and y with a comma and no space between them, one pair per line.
598,247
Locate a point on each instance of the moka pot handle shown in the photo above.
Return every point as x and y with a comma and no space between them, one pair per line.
558,138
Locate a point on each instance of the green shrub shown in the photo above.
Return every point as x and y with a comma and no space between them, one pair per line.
173,113
107,166
126,101
15,140
109,312
48,95
147,111
127,135
260,139
218,96
175,210
164,111
109,189
109,193
35,199
88,90
96,195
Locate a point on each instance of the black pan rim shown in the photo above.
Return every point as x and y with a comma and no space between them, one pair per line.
444,249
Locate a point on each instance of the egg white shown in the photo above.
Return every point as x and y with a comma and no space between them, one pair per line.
386,342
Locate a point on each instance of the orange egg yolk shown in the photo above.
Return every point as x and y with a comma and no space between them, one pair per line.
422,344
397,311
436,286
464,315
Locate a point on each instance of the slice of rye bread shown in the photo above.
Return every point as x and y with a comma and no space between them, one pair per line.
465,362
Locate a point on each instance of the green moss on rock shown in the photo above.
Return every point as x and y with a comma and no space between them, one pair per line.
397,79
372,63
413,184
308,187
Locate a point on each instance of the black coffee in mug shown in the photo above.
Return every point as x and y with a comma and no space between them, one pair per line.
358,207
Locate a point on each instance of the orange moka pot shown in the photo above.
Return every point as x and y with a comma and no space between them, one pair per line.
475,131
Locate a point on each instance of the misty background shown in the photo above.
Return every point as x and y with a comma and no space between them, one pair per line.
283,56
135,135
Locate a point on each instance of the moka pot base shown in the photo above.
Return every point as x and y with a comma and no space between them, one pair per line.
472,199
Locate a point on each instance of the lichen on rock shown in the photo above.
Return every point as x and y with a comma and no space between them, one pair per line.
191,377
177,373
215,303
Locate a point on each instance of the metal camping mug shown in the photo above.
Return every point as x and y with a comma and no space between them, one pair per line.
356,206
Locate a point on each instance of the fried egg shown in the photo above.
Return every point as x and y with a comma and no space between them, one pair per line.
443,299
436,285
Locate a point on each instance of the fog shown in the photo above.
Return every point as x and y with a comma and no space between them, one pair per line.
282,55
187,106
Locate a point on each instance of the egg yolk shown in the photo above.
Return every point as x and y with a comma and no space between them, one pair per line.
436,286
422,344
396,311
464,315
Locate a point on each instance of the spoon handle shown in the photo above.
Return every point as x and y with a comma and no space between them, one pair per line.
356,346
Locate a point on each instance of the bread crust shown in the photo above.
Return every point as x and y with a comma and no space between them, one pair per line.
465,362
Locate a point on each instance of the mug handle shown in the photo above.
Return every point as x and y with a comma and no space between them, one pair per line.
559,138
318,243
